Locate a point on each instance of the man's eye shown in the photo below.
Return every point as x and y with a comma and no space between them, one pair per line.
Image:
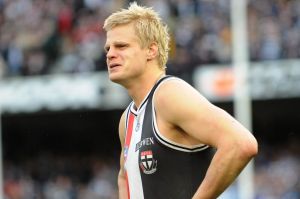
122,46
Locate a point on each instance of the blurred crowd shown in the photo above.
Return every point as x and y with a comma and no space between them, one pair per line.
65,36
61,177
40,37
277,176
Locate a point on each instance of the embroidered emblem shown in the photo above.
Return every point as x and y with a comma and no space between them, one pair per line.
147,163
138,122
137,126
125,152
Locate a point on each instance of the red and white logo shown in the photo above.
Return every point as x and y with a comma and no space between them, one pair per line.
147,163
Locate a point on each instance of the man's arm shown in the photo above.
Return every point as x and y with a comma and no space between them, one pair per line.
122,184
180,105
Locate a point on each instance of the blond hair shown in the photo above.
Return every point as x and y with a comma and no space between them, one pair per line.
148,27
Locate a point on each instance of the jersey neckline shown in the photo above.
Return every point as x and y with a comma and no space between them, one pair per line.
133,108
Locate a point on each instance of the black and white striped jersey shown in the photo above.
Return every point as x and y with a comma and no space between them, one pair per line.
156,167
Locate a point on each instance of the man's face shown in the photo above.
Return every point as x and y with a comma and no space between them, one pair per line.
125,58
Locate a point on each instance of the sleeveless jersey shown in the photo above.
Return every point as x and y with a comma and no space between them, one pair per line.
156,167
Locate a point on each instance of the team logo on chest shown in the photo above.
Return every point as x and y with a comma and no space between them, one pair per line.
147,162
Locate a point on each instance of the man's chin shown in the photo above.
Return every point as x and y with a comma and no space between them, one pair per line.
115,78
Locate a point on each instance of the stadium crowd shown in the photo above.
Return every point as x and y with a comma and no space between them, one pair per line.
65,36
277,173
39,37
50,176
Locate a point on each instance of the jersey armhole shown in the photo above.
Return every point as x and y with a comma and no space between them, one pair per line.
165,141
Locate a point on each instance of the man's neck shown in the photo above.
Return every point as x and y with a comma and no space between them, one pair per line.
140,90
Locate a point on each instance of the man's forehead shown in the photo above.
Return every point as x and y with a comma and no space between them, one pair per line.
121,34
123,28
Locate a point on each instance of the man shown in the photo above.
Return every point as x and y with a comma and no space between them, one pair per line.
169,129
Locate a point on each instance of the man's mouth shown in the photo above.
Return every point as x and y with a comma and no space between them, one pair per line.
113,65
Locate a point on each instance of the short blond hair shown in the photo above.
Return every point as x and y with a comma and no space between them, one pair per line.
148,27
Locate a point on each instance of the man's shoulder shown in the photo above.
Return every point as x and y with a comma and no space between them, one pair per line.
172,85
176,93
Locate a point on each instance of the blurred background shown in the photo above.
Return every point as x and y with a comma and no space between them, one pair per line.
60,113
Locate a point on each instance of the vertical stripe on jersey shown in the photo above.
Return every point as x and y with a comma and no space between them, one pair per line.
127,144
127,185
132,160
129,133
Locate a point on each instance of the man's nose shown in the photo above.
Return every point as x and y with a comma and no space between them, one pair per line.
110,53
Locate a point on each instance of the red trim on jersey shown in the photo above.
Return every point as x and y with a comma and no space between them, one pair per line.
127,143
129,131
127,183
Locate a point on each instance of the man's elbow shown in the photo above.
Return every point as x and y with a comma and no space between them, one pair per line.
249,148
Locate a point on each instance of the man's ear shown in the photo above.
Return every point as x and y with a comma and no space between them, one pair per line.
152,51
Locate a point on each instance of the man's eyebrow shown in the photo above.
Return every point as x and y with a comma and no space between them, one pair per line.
120,42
